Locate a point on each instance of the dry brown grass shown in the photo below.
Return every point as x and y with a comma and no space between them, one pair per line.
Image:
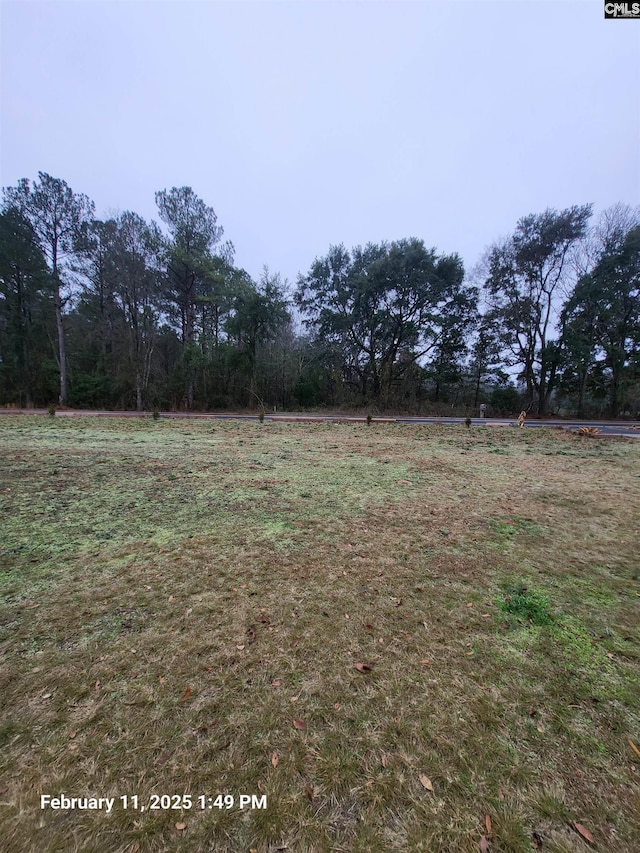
177,594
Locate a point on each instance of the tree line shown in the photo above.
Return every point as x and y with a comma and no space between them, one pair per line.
135,314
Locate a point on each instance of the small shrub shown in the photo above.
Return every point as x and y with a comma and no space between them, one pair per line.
589,431
521,604
52,410
261,417
467,422
369,419
156,414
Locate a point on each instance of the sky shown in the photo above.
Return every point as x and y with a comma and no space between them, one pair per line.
309,123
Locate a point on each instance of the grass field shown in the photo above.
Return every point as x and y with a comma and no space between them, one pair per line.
406,638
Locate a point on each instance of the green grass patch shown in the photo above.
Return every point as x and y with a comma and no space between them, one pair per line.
521,604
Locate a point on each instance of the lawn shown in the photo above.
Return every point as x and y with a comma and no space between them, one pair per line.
387,637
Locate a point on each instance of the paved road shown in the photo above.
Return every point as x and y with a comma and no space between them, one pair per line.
605,427
625,428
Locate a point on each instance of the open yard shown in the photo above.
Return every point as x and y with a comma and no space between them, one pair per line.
387,637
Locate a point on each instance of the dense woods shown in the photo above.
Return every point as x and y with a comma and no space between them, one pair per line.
129,314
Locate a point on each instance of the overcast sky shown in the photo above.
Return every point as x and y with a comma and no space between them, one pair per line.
308,123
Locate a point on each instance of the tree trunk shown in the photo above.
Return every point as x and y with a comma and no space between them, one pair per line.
189,331
103,325
363,383
543,394
376,382
62,361
138,390
477,395
189,307
615,391
22,324
582,391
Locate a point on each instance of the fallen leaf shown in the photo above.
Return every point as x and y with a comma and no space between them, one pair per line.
274,759
299,724
363,667
425,661
181,826
251,634
426,782
487,823
383,760
610,655
309,791
186,694
346,616
634,747
72,734
239,648
583,832
500,794
470,604
485,844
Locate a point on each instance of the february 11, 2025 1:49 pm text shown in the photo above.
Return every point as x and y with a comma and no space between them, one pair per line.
62,802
